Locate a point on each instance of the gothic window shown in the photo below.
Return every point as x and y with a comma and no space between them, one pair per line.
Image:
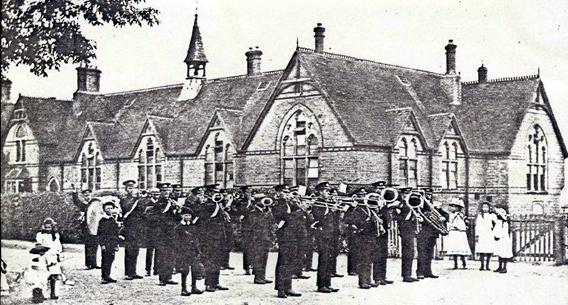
20,139
91,161
408,160
537,160
449,172
150,164
219,166
53,185
300,150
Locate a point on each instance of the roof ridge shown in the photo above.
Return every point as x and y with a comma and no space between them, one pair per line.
408,108
99,122
440,114
155,116
45,98
341,56
142,90
503,79
273,72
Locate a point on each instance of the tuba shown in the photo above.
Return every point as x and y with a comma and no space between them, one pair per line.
389,194
435,219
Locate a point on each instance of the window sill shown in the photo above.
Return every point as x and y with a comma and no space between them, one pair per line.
537,192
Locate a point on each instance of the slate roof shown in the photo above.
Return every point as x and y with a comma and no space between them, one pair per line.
196,52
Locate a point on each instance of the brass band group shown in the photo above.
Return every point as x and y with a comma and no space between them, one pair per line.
191,234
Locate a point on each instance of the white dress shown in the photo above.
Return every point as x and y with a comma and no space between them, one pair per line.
504,246
456,241
484,232
55,249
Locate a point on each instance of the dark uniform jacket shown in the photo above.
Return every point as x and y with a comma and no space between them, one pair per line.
327,226
212,229
108,233
407,225
293,218
133,215
261,232
363,223
187,248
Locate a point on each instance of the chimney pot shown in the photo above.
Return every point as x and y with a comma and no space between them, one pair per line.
253,61
451,58
482,74
319,30
88,79
6,85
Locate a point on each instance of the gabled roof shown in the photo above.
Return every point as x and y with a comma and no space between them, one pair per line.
491,113
7,109
362,92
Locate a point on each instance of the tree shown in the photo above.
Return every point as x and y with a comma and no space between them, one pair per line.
43,34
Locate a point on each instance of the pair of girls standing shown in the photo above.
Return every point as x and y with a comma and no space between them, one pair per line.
493,236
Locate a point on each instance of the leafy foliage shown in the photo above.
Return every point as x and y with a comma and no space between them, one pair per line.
43,34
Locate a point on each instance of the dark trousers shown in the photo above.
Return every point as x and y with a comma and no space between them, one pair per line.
425,246
131,251
246,246
260,259
380,258
334,253
325,262
91,247
164,262
308,253
365,247
407,249
287,254
150,257
212,260
351,260
107,260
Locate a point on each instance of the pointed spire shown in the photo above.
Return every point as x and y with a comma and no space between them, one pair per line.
196,53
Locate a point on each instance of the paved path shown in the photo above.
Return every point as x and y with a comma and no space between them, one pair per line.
524,284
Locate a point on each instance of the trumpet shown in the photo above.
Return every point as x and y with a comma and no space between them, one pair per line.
330,206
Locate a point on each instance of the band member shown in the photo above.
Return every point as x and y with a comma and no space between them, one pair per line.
149,230
212,217
288,217
133,228
325,237
188,249
380,259
244,206
195,201
302,235
89,237
108,236
409,226
261,238
230,227
426,240
164,215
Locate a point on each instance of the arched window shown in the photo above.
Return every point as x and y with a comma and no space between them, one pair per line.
91,161
53,185
299,149
20,139
537,160
150,164
449,172
219,166
408,147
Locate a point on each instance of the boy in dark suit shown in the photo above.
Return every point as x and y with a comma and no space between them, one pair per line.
187,249
108,236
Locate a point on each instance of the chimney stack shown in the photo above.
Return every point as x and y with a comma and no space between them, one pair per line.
6,90
253,61
451,58
482,74
319,30
88,79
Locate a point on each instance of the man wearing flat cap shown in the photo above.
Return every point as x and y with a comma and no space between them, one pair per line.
132,231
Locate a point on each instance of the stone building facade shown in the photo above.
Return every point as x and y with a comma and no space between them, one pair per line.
324,117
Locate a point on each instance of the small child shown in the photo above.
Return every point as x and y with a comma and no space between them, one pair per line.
49,238
187,254
38,272
503,241
456,241
108,236
484,234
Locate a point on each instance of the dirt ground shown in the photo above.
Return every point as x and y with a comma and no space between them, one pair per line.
524,284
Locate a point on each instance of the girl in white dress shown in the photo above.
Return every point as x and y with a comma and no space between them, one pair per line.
48,237
484,234
456,241
503,241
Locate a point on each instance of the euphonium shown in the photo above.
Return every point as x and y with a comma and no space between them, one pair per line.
389,194
217,197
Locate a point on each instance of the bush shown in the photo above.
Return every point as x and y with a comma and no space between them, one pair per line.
22,215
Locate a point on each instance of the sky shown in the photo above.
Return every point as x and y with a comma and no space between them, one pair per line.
511,38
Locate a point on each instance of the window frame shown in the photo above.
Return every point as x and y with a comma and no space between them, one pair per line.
150,163
537,161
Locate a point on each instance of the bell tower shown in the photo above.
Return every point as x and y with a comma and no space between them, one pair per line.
195,60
